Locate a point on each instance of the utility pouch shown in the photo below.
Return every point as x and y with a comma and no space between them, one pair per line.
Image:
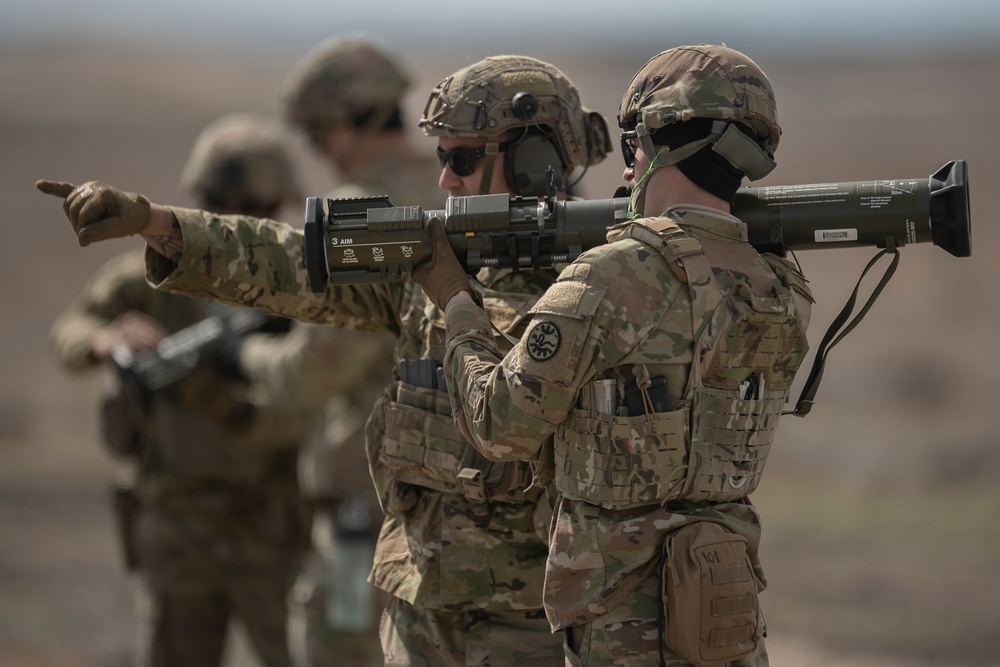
709,595
125,505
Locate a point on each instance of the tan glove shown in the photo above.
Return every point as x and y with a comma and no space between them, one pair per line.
99,211
442,277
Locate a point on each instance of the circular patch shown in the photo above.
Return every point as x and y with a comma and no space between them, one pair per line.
543,341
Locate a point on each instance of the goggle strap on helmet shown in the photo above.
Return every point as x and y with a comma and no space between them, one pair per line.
744,153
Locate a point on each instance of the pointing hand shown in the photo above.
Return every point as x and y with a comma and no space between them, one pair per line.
99,211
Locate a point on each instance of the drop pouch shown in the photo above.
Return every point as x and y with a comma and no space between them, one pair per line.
711,612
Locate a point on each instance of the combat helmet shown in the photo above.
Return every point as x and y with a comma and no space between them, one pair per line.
712,82
503,93
341,80
241,159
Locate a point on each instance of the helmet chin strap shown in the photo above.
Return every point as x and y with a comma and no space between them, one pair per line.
637,196
664,156
492,147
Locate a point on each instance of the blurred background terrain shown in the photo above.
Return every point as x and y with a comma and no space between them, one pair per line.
881,509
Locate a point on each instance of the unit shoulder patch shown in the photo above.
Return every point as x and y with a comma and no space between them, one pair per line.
543,341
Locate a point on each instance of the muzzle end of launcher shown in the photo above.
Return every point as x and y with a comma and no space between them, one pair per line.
951,229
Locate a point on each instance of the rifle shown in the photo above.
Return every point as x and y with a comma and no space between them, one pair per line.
369,240
181,352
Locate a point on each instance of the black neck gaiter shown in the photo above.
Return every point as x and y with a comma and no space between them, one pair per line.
706,168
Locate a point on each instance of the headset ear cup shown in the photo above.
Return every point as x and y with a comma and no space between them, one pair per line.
526,162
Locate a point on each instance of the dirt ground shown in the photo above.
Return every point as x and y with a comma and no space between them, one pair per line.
881,509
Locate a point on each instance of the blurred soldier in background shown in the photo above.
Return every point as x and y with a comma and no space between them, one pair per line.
463,546
346,96
209,510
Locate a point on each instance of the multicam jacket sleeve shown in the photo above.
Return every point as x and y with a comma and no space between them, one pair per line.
116,288
314,361
508,406
265,270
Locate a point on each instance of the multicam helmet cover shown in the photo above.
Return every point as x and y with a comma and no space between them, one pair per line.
702,82
341,79
487,99
241,157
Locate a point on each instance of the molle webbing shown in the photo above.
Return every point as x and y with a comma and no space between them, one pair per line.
713,445
739,335
671,241
741,332
423,447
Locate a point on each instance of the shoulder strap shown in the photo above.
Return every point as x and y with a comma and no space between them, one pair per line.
667,237
831,338
686,258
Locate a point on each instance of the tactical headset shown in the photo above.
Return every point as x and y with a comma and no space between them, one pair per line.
529,157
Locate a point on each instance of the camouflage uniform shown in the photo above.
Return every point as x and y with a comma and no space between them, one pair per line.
334,466
212,518
438,550
240,164
463,545
352,86
601,553
341,373
219,528
681,299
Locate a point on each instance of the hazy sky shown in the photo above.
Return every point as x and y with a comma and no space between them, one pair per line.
290,25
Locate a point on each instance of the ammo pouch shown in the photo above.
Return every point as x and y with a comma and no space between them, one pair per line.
423,447
709,593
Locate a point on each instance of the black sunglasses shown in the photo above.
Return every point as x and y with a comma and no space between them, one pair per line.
463,160
628,152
